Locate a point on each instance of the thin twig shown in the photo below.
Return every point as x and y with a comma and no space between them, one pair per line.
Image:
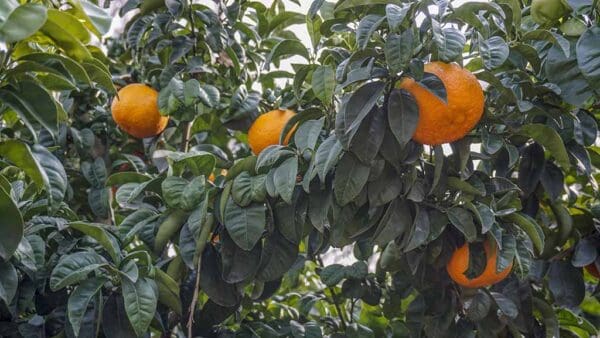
186,137
190,322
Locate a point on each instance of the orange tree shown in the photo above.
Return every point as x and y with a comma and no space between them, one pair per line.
452,148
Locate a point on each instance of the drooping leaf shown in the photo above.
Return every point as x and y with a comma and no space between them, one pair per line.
403,115
323,83
140,300
549,138
245,225
588,55
351,176
81,298
11,226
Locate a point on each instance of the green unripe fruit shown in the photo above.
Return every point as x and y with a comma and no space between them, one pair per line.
547,12
573,27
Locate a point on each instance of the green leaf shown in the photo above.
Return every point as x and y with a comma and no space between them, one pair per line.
106,239
99,75
212,283
80,299
366,27
369,137
566,284
286,48
355,109
57,177
195,92
278,256
398,49
507,306
548,317
74,267
308,133
531,228
479,306
351,176
395,222
238,265
34,104
544,35
494,51
168,291
96,19
463,221
333,274
23,22
449,41
20,154
420,230
60,28
323,84
140,299
403,115
121,178
588,56
11,226
395,15
247,189
566,74
9,282
327,156
285,178
550,139
348,4
245,225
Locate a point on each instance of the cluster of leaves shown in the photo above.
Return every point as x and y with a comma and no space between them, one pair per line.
173,249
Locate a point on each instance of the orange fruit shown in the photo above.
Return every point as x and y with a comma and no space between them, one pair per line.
266,129
440,122
459,263
593,270
135,110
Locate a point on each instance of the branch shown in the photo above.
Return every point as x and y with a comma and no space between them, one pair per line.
202,240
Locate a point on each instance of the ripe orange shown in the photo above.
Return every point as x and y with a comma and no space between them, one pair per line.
135,110
266,129
440,122
593,270
459,263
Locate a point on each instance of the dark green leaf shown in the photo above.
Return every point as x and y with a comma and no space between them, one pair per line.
351,176
549,138
80,299
566,283
323,83
463,221
588,55
74,267
494,51
403,115
11,226
366,27
140,300
245,225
